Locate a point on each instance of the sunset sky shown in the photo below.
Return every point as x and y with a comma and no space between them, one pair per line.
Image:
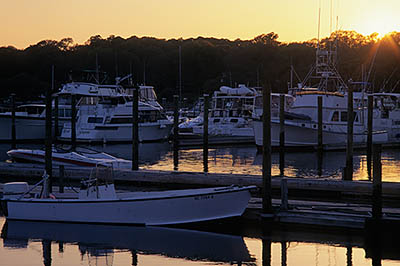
26,22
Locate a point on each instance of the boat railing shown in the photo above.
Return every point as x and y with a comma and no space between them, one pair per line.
44,180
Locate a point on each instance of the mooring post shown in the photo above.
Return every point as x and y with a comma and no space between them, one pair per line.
282,134
13,130
61,178
176,132
369,137
320,136
266,167
350,121
73,122
284,194
48,142
320,139
135,130
377,183
205,132
56,120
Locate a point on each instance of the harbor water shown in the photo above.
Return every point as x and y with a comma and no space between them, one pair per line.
246,160
37,243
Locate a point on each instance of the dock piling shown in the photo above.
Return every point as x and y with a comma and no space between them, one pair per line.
176,132
13,125
320,139
266,166
377,183
61,178
350,121
205,132
48,142
135,130
56,119
369,137
73,122
282,134
284,194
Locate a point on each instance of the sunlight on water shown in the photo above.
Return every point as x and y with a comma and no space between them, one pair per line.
22,246
246,160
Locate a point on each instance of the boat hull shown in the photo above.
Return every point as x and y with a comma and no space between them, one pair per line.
26,128
151,208
118,133
299,136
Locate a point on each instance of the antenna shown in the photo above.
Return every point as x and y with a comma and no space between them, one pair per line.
180,73
319,21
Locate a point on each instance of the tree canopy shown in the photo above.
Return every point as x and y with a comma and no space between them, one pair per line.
207,63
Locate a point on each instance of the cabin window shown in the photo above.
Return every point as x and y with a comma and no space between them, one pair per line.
216,120
234,120
97,120
343,116
335,116
121,120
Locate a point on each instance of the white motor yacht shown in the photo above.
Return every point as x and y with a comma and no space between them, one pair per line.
109,119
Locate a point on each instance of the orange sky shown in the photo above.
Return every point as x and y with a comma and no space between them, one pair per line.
26,22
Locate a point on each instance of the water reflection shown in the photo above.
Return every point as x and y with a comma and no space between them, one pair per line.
246,160
99,242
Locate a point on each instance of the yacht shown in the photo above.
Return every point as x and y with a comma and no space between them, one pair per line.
30,121
109,119
229,119
303,131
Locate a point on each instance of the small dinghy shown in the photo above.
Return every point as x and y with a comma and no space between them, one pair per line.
98,202
82,157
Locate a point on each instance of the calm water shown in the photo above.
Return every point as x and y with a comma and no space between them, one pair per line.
246,160
36,243
25,243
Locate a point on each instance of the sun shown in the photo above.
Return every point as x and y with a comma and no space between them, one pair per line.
382,25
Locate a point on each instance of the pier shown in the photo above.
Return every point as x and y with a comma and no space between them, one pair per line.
311,202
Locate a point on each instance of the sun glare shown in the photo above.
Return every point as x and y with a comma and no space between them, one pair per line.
381,25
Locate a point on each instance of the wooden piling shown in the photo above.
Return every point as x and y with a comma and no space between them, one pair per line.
13,124
320,139
350,121
61,175
73,122
377,183
284,194
369,137
266,167
205,132
135,130
176,132
56,119
48,142
282,134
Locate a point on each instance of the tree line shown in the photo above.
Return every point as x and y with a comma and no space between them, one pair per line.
206,63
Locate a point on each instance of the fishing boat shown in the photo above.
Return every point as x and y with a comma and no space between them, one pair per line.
80,157
98,202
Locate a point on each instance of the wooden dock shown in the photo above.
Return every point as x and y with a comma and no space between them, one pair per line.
312,202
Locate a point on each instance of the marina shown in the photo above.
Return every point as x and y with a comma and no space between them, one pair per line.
228,162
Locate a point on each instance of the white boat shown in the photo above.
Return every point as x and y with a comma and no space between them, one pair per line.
304,131
30,121
229,118
86,158
386,114
110,120
98,202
